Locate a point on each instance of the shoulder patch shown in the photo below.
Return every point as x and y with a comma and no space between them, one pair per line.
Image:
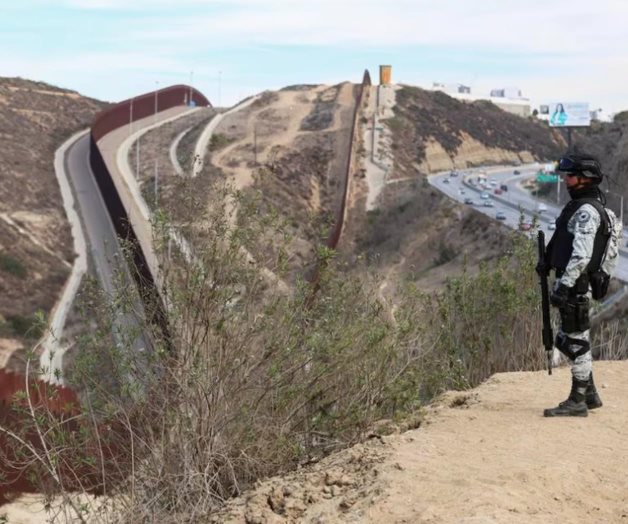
583,216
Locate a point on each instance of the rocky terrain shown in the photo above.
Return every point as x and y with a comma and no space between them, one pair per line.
35,242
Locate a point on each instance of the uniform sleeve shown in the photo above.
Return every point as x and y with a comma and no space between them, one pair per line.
583,224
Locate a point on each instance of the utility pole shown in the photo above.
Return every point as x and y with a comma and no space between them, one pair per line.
157,148
156,180
137,159
255,144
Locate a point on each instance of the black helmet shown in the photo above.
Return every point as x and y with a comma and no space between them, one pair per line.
583,165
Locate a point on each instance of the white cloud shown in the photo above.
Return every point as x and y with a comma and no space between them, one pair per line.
577,47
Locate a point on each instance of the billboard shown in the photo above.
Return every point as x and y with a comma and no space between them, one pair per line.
568,114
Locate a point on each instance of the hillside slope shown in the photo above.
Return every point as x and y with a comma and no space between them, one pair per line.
35,241
485,455
417,231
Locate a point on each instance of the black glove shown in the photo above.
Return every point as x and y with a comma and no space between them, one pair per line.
558,298
541,269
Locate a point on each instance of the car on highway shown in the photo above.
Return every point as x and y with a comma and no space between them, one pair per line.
468,201
516,172
541,208
488,203
453,173
498,191
503,187
500,215
551,226
445,181
484,196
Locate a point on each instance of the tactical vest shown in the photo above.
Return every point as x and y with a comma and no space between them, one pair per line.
560,246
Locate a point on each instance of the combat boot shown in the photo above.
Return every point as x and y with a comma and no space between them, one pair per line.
591,396
575,405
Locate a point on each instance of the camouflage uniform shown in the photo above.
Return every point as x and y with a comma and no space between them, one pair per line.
583,225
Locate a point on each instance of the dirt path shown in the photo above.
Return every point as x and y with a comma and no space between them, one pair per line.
483,456
288,111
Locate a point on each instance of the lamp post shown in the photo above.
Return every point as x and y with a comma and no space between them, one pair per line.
157,148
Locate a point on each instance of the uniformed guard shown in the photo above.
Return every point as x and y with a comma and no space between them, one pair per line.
575,252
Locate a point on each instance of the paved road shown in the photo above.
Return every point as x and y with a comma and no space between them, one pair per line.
102,241
512,203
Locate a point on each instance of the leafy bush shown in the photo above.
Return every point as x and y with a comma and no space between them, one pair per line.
218,141
253,379
12,265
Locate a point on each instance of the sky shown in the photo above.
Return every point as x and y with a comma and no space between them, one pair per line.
553,50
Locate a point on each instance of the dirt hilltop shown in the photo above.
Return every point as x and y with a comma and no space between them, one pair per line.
481,456
36,251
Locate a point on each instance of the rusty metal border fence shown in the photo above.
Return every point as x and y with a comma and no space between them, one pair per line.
139,107
121,114
336,232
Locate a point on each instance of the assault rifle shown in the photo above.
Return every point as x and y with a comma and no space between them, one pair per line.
548,336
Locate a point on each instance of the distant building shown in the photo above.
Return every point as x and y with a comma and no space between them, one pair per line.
451,88
508,98
507,92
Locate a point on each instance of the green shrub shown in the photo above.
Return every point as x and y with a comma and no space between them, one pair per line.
29,326
218,141
12,265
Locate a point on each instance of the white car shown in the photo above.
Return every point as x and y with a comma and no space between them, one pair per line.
485,196
551,226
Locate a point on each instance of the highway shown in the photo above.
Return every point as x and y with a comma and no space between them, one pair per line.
512,203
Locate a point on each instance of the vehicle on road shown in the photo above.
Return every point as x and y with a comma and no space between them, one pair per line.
516,172
453,173
488,203
541,208
551,226
484,196
446,181
462,191
498,191
468,201
503,187
500,215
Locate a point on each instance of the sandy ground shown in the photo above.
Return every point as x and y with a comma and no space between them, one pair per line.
482,456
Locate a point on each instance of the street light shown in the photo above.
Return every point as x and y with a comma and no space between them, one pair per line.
157,148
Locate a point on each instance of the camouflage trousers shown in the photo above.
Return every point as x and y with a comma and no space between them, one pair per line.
582,365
